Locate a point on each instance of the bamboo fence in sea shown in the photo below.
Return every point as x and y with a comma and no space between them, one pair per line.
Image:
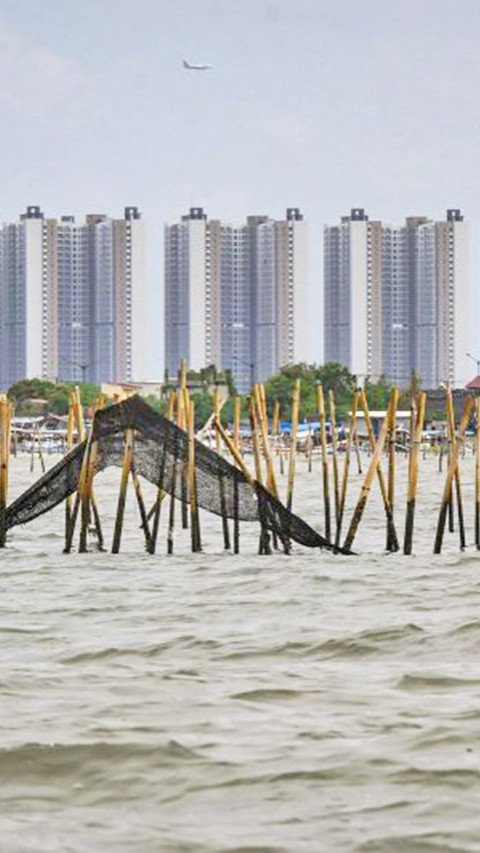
265,444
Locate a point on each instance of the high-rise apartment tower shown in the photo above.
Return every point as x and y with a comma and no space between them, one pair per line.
236,295
72,298
396,298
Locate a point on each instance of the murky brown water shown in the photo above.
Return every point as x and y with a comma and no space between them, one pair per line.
219,703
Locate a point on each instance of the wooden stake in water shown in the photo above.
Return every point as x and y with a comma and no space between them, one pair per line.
372,471
323,445
477,479
141,507
5,425
122,495
276,417
181,423
237,407
86,494
293,443
456,449
346,466
161,493
333,427
392,425
217,404
413,473
391,532
192,486
447,491
68,502
357,449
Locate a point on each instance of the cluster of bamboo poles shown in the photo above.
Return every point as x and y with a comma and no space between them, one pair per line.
335,475
336,479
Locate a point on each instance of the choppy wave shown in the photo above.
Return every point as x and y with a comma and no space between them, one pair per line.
239,703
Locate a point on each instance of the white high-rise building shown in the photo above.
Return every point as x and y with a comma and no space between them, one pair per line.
396,298
236,295
73,298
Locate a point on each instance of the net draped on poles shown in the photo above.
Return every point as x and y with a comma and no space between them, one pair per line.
161,453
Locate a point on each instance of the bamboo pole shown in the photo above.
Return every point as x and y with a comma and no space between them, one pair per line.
122,495
293,443
271,483
161,493
457,446
333,426
372,471
454,449
371,438
413,473
173,482
275,417
217,404
141,507
323,444
40,453
391,472
181,423
86,495
264,547
447,491
192,488
233,450
357,450
237,406
254,430
309,450
70,428
5,421
346,466
477,479
32,452
450,443
80,492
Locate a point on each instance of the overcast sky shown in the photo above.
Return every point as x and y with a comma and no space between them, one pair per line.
319,104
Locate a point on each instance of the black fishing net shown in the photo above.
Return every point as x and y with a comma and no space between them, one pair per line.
161,454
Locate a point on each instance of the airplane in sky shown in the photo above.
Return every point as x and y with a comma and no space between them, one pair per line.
191,67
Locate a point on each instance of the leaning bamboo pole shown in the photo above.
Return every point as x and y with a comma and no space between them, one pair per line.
452,467
391,532
346,466
293,443
87,496
161,493
261,411
233,450
323,444
141,506
413,472
372,471
254,430
122,495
